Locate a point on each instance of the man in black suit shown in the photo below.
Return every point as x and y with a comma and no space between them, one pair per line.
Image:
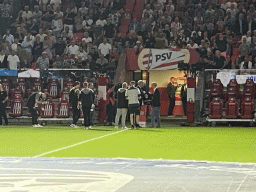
155,106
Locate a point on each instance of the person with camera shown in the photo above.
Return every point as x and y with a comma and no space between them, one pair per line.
33,100
171,89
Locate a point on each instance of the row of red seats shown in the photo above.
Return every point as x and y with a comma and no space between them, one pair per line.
21,88
232,108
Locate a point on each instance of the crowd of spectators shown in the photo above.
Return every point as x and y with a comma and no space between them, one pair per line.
84,34
61,34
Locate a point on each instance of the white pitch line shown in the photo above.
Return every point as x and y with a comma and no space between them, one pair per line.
80,143
245,179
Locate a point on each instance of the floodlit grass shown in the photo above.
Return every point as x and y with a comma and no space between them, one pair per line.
212,144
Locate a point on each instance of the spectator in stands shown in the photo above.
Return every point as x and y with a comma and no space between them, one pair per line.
3,100
138,47
73,49
59,47
57,26
43,62
160,38
3,60
246,64
104,48
23,55
241,25
82,54
87,101
37,49
122,106
58,63
219,61
8,37
6,10
148,11
33,100
109,31
221,43
102,64
244,49
86,38
98,32
28,44
253,49
74,94
13,61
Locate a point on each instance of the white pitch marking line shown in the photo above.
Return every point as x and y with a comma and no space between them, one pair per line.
80,143
245,179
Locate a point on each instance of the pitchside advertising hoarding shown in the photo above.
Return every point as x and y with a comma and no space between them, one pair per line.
165,59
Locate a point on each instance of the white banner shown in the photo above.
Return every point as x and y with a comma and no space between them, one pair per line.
162,59
225,77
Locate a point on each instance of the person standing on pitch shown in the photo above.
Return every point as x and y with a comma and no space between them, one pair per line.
171,89
155,105
133,95
143,90
122,106
33,100
92,109
3,99
86,99
73,99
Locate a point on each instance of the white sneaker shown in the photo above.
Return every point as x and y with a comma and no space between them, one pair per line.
90,127
72,125
75,126
86,128
125,127
38,125
116,127
34,126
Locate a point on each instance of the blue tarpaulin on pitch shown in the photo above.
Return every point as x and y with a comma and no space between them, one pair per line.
6,72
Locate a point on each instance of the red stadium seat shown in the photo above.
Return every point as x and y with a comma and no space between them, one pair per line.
54,89
247,108
64,95
216,84
47,110
233,83
231,92
215,93
17,91
6,86
216,108
17,107
63,109
248,93
21,83
231,108
69,84
249,84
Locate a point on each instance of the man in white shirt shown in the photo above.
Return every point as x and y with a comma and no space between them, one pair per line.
8,37
73,49
15,44
148,10
41,35
86,38
83,10
13,61
104,48
27,14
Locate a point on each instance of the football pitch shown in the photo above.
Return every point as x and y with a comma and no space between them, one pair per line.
234,144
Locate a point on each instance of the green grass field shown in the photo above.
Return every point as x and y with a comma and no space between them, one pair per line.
212,144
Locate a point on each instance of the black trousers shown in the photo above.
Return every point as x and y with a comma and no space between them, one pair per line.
3,115
86,111
184,105
171,105
34,115
110,109
76,114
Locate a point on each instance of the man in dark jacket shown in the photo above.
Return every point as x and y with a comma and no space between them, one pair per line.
171,89
3,99
155,105
33,100
86,98
73,99
122,106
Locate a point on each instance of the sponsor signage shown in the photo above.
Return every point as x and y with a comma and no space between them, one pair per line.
162,59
